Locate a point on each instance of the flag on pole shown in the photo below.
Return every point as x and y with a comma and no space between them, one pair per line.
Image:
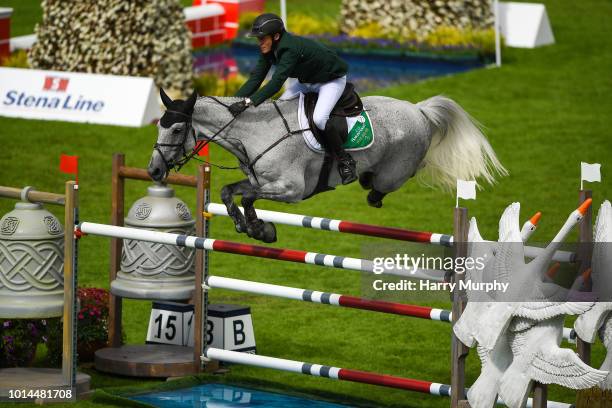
70,165
590,172
466,190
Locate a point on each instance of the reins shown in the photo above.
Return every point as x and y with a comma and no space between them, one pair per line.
199,146
276,143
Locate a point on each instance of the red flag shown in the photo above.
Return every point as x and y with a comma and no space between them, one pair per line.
204,150
70,165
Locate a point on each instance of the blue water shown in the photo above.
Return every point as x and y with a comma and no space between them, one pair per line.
366,72
221,395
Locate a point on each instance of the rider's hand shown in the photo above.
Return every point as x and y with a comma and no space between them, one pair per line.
239,107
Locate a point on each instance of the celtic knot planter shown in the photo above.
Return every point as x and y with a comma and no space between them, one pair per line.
31,263
156,271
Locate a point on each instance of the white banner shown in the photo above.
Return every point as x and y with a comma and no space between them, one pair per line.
78,97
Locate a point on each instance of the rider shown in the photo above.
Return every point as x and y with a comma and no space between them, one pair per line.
317,69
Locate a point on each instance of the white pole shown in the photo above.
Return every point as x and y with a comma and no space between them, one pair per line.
498,61
283,7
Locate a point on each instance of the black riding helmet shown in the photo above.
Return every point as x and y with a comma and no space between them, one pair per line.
266,24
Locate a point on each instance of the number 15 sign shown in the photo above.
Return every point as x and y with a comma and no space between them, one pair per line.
170,323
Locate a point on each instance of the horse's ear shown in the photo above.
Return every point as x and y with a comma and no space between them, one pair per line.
165,98
192,100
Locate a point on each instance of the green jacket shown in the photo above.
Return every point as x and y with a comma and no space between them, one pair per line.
295,57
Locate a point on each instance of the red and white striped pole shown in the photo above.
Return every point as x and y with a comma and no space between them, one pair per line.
282,254
399,234
318,370
328,224
327,298
337,373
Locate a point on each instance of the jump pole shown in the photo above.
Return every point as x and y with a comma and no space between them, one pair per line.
335,299
326,298
328,224
258,251
337,373
318,370
349,227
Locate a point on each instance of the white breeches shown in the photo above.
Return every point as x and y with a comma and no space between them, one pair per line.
329,94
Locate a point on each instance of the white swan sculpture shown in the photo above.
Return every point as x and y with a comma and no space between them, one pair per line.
599,318
514,355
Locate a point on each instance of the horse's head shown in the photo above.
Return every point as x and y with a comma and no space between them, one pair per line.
175,138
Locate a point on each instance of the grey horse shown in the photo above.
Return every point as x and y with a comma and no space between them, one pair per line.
435,138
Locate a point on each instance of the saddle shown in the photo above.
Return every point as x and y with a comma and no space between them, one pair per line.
348,105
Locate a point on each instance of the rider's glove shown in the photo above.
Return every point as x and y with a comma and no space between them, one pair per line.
239,107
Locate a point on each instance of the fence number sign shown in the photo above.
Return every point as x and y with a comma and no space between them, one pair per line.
170,323
229,327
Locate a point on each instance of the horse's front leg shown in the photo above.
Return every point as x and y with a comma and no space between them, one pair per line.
227,196
256,228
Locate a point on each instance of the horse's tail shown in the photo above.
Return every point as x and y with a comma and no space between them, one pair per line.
458,150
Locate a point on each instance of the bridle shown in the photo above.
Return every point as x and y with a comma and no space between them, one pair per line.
178,164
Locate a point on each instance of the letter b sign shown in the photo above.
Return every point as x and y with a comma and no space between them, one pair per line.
230,327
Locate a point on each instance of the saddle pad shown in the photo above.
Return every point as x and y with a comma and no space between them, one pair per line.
360,135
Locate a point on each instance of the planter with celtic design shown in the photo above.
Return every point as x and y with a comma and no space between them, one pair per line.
156,271
31,263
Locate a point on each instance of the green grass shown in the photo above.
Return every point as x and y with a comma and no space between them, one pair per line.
544,111
25,15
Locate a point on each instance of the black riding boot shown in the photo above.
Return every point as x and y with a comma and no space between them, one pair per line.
346,164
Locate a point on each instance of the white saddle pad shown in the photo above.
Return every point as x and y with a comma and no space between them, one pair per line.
309,137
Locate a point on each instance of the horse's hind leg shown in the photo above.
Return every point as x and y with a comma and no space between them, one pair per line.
387,179
227,196
256,228
365,180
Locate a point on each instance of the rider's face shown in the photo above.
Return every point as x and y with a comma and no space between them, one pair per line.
265,43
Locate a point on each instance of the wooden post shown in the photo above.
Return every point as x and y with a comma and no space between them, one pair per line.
117,214
458,350
585,252
540,395
70,287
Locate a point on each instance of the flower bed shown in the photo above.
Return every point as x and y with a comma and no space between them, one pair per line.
19,338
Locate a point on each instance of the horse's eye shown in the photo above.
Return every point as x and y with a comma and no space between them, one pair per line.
176,131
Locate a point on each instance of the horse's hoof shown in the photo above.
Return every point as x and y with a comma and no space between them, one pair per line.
375,199
269,233
240,228
255,230
375,204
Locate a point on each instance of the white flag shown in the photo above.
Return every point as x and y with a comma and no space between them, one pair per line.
590,172
466,189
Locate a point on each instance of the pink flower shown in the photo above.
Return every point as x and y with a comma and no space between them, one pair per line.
81,316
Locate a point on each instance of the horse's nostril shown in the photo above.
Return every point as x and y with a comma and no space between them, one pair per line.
155,173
